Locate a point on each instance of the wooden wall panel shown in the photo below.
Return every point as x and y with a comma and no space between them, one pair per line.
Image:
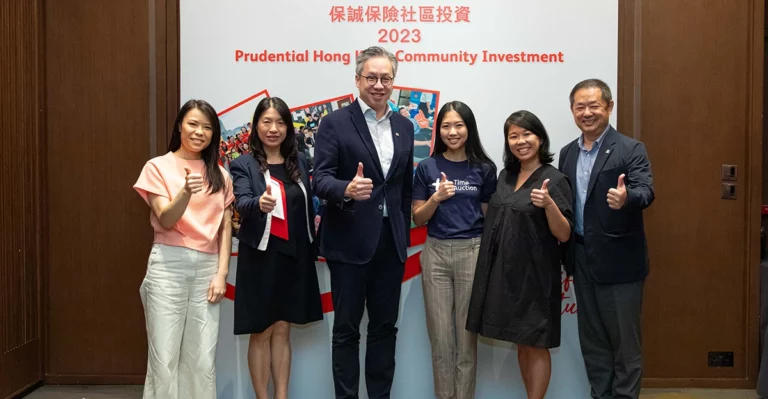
101,99
20,200
690,87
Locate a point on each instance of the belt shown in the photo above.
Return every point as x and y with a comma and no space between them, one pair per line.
579,239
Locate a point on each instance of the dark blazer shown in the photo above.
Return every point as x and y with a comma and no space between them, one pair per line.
614,239
349,230
249,184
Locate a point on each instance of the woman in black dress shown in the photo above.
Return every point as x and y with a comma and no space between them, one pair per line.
516,292
276,276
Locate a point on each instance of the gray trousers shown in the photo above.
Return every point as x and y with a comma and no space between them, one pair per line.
448,270
609,332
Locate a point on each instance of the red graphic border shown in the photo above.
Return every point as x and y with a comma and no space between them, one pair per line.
412,268
350,97
264,92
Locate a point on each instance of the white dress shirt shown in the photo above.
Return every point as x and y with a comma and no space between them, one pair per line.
381,133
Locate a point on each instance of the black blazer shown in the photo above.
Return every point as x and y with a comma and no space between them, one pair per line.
614,239
249,184
349,231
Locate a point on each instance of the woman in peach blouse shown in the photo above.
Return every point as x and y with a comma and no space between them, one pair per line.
190,197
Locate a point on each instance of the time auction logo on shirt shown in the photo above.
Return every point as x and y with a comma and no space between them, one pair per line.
461,185
464,185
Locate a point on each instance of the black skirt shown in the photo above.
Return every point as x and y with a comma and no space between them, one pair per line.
272,286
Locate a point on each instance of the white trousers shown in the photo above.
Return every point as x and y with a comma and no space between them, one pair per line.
182,327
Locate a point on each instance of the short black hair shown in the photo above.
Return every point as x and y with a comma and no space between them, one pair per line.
592,83
530,122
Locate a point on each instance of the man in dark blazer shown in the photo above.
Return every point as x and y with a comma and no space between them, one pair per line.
364,170
610,175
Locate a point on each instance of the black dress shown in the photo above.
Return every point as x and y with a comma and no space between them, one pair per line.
280,283
516,292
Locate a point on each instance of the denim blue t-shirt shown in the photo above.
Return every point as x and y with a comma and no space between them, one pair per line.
461,215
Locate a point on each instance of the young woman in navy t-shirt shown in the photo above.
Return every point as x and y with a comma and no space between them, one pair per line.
451,191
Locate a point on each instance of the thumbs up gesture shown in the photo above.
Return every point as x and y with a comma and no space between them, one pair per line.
194,182
267,201
445,189
540,197
617,197
360,188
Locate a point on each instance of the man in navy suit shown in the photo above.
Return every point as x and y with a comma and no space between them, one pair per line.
610,175
364,170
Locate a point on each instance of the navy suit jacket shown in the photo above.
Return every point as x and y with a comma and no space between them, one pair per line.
249,184
614,239
349,230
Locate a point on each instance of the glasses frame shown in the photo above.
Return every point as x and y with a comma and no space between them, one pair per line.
373,80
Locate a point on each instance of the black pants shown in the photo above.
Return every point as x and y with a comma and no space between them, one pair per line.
609,332
375,285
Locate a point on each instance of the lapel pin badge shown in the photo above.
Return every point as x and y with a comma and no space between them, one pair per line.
397,134
607,151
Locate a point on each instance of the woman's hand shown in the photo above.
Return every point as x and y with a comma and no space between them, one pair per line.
217,288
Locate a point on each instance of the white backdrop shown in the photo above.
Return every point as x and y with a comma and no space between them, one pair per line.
585,32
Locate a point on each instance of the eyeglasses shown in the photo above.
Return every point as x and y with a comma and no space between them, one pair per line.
372,80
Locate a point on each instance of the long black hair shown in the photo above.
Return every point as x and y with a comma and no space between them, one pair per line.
287,148
473,147
530,122
210,154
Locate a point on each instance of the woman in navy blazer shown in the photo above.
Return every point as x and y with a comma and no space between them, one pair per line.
276,276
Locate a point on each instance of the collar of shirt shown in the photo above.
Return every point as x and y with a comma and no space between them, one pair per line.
597,142
367,110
